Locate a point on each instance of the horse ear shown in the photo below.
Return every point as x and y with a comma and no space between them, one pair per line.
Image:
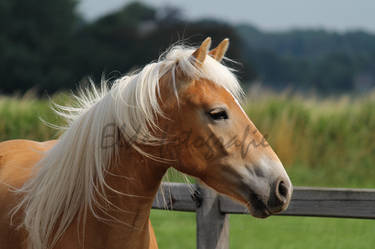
201,53
219,52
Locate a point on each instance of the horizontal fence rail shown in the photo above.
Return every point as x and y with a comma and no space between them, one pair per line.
212,210
306,201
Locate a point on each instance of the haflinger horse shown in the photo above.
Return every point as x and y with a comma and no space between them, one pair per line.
94,186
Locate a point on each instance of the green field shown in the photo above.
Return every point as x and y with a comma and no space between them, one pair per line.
176,230
322,142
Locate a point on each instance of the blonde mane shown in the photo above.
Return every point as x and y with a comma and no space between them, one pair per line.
71,176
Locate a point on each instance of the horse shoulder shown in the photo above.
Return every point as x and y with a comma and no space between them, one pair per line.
17,157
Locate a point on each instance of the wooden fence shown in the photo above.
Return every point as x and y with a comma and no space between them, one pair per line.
212,209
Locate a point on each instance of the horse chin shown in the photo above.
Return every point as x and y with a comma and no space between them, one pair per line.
257,208
262,214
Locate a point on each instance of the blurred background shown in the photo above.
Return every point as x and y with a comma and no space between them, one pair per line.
308,68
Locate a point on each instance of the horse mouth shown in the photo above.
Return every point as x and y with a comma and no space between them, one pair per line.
257,207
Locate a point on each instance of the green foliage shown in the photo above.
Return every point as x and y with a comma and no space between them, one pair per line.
135,35
309,43
45,45
310,59
35,42
23,118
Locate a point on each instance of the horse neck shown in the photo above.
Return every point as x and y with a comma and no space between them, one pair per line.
138,179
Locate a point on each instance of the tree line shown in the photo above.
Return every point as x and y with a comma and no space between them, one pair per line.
48,46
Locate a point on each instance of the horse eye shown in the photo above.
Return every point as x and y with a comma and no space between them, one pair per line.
218,114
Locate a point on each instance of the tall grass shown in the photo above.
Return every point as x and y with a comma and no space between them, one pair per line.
25,117
326,142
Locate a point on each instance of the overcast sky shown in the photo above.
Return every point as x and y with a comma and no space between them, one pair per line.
269,15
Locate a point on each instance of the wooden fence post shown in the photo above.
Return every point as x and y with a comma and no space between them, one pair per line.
212,225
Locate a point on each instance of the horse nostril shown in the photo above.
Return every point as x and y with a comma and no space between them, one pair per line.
280,195
282,191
